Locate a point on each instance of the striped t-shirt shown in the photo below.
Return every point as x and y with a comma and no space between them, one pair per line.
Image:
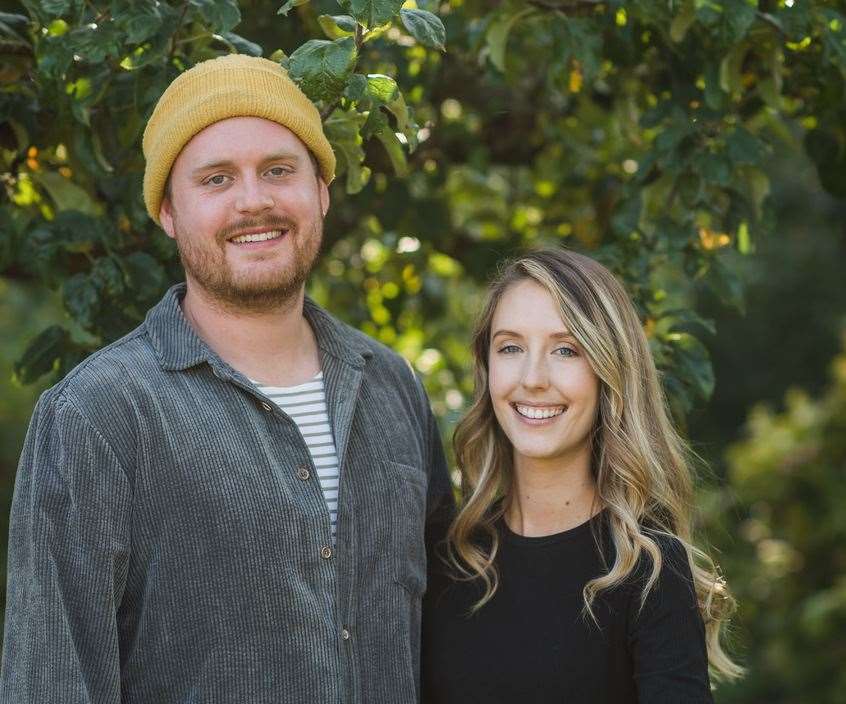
306,406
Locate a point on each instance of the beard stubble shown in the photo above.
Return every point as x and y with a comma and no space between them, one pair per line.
206,264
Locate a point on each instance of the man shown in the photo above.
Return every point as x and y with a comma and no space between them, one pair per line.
228,504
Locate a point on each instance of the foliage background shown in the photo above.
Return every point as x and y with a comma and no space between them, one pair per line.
696,147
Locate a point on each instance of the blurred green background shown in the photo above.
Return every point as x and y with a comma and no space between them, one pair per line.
697,148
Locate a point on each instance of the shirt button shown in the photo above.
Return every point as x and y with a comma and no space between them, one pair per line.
325,552
266,406
345,634
302,473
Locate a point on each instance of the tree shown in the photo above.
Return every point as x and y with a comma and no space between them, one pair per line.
635,130
789,559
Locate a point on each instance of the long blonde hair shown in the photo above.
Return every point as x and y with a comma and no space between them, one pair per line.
640,463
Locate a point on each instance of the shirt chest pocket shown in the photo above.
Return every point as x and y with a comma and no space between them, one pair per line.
407,545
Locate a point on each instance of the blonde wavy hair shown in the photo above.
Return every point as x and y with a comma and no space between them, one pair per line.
640,464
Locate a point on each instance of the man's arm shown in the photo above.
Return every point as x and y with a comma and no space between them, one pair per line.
440,499
68,561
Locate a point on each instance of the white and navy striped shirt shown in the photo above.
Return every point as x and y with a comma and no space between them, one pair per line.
306,405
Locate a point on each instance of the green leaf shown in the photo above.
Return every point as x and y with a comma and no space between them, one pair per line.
731,80
693,363
743,147
290,5
739,17
243,46
41,355
56,8
683,21
322,68
144,276
405,124
714,168
627,215
726,283
343,131
395,151
222,15
425,27
496,38
372,13
382,88
107,276
65,193
337,26
139,22
81,299
356,88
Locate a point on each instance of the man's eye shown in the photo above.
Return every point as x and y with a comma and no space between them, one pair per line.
217,180
279,171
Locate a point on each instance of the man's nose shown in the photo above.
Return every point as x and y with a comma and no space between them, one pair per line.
253,196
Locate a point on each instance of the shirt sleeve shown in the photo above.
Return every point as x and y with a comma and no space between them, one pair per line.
440,499
667,636
67,563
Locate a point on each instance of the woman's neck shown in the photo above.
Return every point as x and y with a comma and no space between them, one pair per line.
545,500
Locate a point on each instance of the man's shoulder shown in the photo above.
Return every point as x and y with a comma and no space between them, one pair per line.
108,372
384,357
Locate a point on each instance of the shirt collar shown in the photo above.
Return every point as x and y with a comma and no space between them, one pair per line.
179,347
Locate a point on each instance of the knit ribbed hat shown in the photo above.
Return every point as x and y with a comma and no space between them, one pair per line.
228,86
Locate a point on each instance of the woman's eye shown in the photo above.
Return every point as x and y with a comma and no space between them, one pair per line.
509,349
565,352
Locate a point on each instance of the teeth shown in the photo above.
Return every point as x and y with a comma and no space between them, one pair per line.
539,413
259,237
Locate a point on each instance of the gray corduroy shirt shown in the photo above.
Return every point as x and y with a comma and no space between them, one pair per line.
169,542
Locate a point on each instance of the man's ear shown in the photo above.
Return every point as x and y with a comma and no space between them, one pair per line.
324,196
166,217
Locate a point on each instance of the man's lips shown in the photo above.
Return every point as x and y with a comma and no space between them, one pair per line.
254,236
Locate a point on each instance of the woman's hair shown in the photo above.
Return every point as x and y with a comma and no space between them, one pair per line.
639,462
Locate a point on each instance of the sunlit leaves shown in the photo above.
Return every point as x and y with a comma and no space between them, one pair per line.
337,26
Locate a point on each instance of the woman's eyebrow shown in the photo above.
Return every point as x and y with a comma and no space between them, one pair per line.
509,333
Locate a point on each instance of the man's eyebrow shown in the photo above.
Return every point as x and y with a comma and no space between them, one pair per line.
226,163
210,166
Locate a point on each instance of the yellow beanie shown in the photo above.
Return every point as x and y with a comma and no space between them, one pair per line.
228,86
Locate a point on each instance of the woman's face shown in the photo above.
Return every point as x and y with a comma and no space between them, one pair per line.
543,389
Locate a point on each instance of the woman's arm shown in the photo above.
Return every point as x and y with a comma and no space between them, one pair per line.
667,636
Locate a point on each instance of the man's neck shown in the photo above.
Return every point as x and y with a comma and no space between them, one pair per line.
276,347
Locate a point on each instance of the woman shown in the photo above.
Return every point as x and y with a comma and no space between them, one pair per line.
569,574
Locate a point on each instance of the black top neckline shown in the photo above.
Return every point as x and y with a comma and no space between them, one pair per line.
574,533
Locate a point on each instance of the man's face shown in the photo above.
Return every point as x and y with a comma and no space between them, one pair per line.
246,210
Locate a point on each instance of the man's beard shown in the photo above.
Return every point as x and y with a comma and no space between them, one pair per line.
206,264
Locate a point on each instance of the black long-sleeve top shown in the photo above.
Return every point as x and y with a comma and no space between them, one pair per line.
533,644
